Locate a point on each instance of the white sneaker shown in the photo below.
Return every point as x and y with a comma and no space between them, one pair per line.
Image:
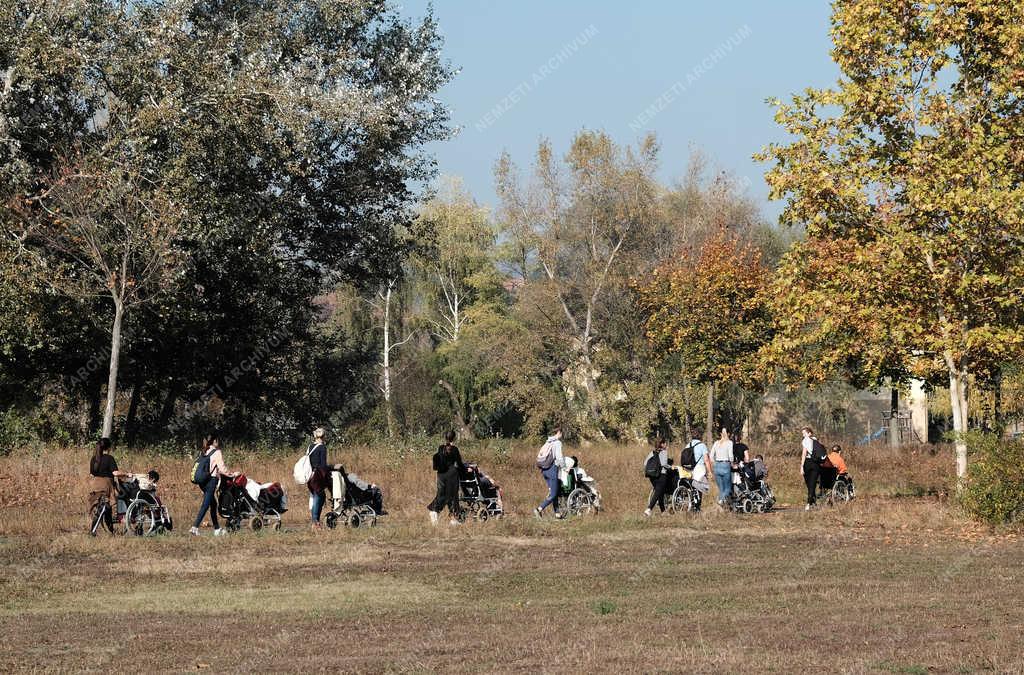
647,513
194,531
537,512
807,508
220,531
453,521
433,517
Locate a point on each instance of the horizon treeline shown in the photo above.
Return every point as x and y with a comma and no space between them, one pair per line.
208,223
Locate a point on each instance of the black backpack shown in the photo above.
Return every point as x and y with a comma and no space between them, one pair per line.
818,452
687,458
201,469
652,469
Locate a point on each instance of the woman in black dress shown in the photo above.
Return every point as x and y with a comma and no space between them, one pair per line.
448,465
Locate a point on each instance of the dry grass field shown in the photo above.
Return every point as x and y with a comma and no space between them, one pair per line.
894,582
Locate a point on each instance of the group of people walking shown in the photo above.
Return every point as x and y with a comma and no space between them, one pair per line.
727,455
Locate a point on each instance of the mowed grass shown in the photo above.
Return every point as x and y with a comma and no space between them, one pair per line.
889,583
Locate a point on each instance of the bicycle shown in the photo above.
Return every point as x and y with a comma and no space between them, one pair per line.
100,514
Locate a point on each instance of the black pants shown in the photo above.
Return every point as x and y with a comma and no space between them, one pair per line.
811,471
827,478
660,484
447,492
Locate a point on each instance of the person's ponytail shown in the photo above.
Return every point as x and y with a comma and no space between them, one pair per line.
103,445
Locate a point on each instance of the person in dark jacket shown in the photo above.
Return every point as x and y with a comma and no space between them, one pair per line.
448,465
660,483
321,478
102,470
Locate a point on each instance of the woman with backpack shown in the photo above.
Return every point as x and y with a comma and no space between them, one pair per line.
206,473
448,465
656,470
549,461
812,454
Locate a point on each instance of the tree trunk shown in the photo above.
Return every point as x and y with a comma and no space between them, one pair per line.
958,399
464,429
709,433
894,420
686,404
115,355
168,406
386,365
592,396
999,421
133,410
94,409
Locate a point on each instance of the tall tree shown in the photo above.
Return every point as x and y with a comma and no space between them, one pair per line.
575,229
288,136
100,230
908,177
709,308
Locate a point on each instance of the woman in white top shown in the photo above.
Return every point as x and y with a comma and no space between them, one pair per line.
721,455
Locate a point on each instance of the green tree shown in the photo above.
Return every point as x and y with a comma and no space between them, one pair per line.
574,231
908,178
709,309
284,137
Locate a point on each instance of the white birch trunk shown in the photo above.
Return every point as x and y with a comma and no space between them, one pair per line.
115,355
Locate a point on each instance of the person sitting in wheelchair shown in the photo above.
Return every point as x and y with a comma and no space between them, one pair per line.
834,469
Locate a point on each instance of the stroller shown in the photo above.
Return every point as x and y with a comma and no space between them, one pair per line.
753,494
143,512
480,496
352,503
578,489
244,501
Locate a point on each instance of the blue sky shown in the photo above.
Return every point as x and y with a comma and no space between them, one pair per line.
550,68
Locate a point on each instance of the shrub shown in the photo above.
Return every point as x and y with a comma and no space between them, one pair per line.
994,489
15,431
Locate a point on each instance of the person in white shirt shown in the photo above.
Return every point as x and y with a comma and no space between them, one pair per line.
701,466
809,468
721,455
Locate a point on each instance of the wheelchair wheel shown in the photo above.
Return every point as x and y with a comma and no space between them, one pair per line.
746,505
482,514
330,520
256,523
841,492
367,515
579,502
139,519
234,524
682,500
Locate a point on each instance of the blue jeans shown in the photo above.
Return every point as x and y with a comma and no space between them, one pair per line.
318,505
723,477
209,489
551,478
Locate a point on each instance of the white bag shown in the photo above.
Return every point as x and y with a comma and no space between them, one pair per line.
303,470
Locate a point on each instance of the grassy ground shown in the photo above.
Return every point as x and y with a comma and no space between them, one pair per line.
895,582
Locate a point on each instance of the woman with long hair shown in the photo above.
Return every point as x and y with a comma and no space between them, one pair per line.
722,456
448,465
102,470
